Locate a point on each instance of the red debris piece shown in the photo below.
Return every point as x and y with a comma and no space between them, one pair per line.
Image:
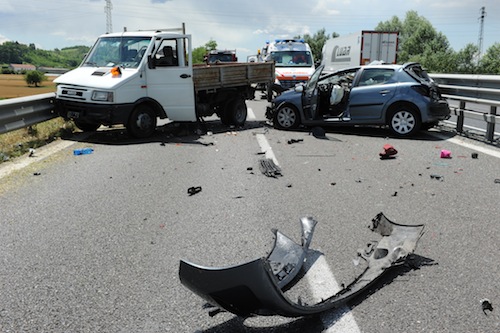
388,152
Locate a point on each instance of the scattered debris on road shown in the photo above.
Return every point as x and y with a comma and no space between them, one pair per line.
292,141
486,305
388,152
269,168
256,287
445,153
193,190
83,151
437,177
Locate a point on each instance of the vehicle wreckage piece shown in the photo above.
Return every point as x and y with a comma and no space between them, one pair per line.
255,287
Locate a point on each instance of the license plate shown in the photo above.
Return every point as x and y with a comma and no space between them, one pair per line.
73,114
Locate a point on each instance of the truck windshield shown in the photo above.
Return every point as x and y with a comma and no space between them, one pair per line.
117,51
292,58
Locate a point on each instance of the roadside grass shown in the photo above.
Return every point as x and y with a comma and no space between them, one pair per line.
19,142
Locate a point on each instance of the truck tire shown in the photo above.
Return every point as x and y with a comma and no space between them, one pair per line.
235,112
86,126
404,121
142,122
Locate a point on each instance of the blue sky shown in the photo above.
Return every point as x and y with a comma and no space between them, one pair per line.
240,25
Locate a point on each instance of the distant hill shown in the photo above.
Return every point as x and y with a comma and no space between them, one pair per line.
16,53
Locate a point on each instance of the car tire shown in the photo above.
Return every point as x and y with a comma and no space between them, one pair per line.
142,122
404,121
86,126
287,117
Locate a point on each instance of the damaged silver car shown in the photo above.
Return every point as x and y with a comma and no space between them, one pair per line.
257,287
403,97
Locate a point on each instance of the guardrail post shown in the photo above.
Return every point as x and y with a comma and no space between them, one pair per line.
460,119
490,126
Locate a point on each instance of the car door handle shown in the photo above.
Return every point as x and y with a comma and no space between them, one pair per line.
383,92
185,76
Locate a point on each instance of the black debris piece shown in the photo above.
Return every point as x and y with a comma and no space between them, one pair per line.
497,181
294,141
474,155
437,177
269,168
318,132
193,190
486,305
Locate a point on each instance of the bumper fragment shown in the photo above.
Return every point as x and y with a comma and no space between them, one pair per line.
256,287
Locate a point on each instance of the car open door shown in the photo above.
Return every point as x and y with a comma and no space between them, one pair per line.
310,101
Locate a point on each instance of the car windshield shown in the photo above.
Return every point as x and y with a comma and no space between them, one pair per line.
292,58
117,51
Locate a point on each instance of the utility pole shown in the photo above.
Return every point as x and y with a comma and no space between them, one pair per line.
481,29
107,10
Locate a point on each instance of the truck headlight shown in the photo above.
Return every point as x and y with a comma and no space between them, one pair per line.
103,96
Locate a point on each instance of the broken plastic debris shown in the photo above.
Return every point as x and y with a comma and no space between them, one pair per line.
474,155
256,287
388,152
83,151
445,153
294,141
437,177
269,168
193,190
486,305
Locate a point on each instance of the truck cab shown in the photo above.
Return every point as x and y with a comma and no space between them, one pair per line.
130,78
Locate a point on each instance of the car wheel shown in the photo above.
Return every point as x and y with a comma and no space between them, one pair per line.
86,126
404,121
142,122
287,117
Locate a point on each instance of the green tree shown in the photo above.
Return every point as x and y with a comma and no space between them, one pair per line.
466,59
490,62
34,78
211,45
419,41
199,54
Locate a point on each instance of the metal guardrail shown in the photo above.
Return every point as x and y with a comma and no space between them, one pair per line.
20,112
472,89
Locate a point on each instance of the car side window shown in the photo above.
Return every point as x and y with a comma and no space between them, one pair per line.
372,76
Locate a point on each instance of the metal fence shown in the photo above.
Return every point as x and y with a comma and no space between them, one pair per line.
16,113
469,91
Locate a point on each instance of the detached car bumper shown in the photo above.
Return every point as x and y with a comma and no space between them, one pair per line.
256,287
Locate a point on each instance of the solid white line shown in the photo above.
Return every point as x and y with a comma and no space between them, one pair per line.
265,147
250,114
323,285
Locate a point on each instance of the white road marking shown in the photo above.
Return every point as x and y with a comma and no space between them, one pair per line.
250,114
460,142
323,285
320,278
265,147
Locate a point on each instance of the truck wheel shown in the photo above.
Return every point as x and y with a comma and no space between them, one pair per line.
234,113
142,122
287,117
237,112
86,126
404,121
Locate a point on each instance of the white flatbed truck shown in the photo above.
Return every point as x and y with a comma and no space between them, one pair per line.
134,78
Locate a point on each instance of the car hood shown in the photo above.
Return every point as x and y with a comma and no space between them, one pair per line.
288,96
97,77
